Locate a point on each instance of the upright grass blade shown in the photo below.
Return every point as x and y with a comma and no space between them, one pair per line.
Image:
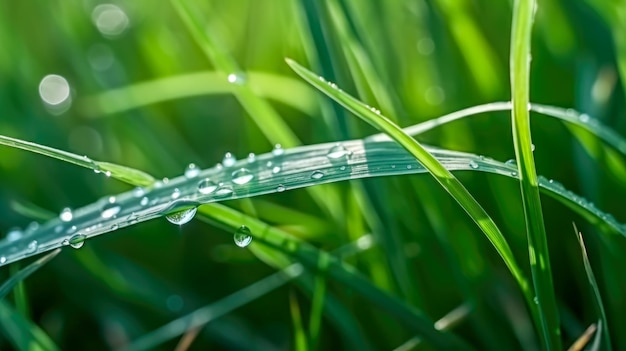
604,330
448,181
23,273
523,13
23,334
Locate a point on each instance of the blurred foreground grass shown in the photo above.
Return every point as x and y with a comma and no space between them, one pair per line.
154,90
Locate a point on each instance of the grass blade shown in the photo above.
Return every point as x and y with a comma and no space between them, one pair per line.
23,334
523,13
439,172
23,273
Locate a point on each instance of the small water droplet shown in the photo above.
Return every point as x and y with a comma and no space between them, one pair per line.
278,150
238,78
228,160
280,188
224,190
182,217
532,147
276,169
14,234
243,236
138,192
110,210
511,162
111,199
77,241
3,260
317,175
336,152
114,227
206,186
133,218
144,201
107,174
175,194
32,246
191,171
242,176
409,166
66,215
342,168
71,229
473,164
514,173
251,157
584,118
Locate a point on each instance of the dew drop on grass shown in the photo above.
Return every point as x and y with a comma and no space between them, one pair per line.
228,160
66,215
278,150
3,260
473,164
276,169
511,162
110,210
71,229
243,236
280,188
584,118
251,157
182,217
317,175
139,192
238,78
32,246
77,241
175,194
242,176
206,186
114,227
144,201
336,152
224,190
191,171
14,234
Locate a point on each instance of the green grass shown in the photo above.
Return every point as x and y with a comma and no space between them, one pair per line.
418,238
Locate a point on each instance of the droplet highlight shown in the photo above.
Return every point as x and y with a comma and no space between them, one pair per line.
317,175
336,152
228,160
206,186
242,176
66,214
191,171
110,210
77,241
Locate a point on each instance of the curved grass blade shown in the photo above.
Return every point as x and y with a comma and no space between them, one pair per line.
548,316
434,167
123,173
603,328
286,90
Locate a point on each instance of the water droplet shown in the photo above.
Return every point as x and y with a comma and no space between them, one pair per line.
14,234
317,175
206,186
532,147
114,227
3,260
243,236
514,173
342,168
278,150
133,218
138,192
144,201
375,110
238,78
107,174
175,194
191,171
32,247
71,229
584,118
409,166
77,241
280,188
336,152
511,162
473,164
224,190
276,169
66,215
242,176
536,300
110,210
251,157
182,217
111,199
228,160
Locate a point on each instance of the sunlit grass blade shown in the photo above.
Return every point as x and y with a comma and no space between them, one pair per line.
548,323
21,333
439,172
32,211
23,273
603,326
123,173
286,90
300,339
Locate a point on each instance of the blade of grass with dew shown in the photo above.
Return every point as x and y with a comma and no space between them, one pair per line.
122,173
539,257
309,256
441,174
23,334
606,335
286,90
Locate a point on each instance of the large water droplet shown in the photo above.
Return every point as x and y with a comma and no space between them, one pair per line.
336,152
317,175
278,150
242,176
473,164
243,236
77,241
32,247
191,171
228,160
66,215
206,186
182,217
110,210
224,190
280,188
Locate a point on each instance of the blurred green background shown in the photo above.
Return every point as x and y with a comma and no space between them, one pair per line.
414,60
